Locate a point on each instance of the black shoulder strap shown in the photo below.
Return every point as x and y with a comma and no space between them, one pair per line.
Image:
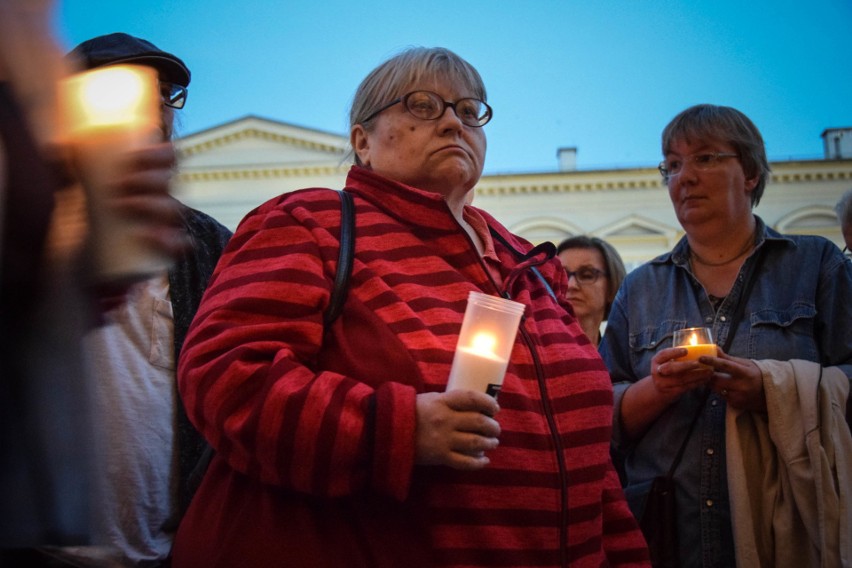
338,298
737,315
344,259
535,250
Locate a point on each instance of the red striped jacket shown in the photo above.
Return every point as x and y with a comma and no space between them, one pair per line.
314,429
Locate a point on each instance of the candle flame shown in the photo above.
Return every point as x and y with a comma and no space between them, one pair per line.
122,96
483,343
693,339
110,98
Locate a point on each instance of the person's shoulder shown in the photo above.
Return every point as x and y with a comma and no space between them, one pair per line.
196,220
816,252
805,243
311,198
658,264
194,214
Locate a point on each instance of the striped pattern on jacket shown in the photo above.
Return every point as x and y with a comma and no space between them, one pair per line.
314,429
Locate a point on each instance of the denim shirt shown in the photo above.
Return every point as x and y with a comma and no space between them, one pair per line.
799,308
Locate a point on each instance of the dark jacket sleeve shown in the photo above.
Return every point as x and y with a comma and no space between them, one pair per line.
187,281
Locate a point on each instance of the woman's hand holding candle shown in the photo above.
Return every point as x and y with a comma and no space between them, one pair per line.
738,380
455,429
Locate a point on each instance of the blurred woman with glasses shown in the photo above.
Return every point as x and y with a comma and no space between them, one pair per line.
798,308
595,271
336,444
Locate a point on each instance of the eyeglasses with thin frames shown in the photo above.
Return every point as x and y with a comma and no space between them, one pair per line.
585,275
427,105
702,162
173,95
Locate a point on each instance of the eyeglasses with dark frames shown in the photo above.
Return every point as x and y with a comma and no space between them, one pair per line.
585,275
173,95
702,162
427,105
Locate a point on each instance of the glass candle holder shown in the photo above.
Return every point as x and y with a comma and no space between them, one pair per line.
698,342
485,343
107,112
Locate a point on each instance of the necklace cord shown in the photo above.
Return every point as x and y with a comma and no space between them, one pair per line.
748,246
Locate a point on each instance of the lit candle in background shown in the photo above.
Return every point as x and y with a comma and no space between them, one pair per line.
485,343
698,342
106,113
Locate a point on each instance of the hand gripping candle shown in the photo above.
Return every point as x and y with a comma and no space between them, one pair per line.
485,343
107,112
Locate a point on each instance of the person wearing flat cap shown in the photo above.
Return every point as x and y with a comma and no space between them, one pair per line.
121,48
49,297
146,460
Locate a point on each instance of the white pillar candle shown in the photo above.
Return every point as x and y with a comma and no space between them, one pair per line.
485,343
106,113
477,368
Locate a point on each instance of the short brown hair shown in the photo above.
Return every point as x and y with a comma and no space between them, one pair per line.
726,125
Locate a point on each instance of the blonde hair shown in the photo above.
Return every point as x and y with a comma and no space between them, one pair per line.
409,67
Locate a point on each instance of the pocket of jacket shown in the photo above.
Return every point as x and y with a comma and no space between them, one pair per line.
784,334
647,341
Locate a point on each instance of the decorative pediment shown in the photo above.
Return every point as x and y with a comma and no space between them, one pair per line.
808,220
546,229
253,142
634,226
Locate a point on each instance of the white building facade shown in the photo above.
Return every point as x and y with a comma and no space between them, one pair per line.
228,170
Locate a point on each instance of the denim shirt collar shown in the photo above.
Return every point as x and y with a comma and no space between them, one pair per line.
679,255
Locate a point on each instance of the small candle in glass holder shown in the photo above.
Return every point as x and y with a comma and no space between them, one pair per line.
698,342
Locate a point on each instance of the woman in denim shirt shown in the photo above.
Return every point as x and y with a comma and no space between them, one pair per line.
715,168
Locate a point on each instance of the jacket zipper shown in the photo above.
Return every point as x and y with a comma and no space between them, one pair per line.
554,433
548,413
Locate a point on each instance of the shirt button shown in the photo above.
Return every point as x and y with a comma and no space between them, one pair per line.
709,502
710,451
714,402
723,318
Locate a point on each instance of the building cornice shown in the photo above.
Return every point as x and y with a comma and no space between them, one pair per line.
810,171
645,178
229,174
257,134
568,182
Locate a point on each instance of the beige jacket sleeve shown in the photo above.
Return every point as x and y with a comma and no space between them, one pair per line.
790,471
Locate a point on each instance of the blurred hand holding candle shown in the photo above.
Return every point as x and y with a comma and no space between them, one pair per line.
107,113
698,342
485,343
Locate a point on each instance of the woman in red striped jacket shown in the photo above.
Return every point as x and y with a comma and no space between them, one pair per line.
336,445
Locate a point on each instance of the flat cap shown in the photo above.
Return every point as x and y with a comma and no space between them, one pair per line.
124,48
